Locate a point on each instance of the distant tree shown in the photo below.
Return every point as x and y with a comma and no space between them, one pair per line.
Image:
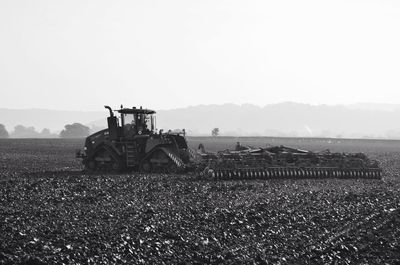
75,130
46,133
3,132
215,132
21,131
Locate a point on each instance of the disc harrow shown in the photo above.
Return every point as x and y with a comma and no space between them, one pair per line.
285,162
293,173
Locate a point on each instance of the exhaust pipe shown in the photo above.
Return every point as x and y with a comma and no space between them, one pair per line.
111,113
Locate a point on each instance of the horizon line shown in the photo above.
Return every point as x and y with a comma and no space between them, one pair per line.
212,104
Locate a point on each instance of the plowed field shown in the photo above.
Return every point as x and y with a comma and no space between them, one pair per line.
50,213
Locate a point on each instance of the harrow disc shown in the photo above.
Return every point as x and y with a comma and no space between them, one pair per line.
291,172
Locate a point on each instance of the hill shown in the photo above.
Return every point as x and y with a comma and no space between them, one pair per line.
283,119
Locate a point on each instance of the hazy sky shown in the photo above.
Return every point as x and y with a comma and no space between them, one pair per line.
81,55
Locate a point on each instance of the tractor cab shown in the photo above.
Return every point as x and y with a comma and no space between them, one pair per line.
132,121
137,122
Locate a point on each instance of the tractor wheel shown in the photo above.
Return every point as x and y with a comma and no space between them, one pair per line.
115,166
146,167
104,161
172,168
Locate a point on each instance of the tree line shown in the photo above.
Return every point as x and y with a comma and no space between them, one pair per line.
75,130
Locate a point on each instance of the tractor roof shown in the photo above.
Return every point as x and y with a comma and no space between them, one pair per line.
136,111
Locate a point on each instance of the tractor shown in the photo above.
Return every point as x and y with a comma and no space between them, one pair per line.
131,143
